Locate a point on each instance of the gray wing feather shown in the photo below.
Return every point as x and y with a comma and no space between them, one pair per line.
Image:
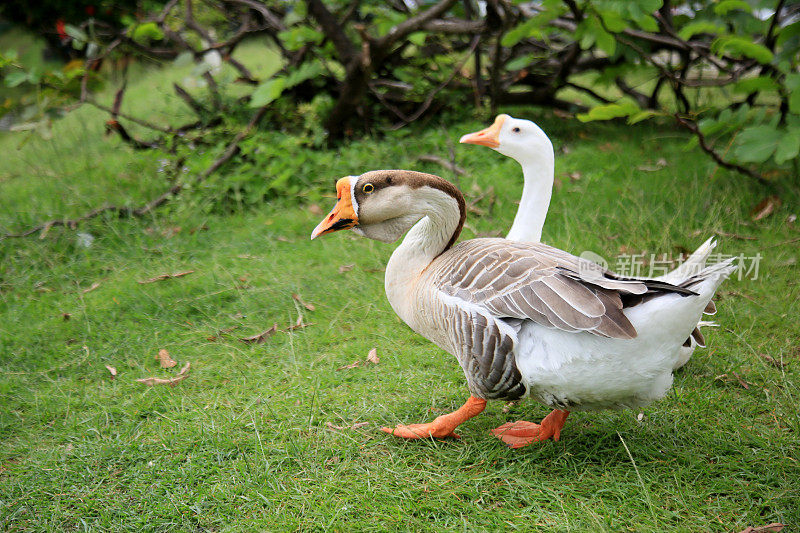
536,282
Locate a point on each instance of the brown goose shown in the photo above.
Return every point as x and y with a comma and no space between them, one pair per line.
521,318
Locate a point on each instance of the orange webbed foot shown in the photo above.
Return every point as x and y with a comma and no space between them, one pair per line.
443,427
421,431
522,433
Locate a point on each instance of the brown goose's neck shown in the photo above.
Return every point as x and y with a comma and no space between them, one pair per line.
443,213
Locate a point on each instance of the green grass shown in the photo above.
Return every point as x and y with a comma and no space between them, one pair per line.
244,442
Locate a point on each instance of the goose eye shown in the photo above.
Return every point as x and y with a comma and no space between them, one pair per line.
368,188
515,130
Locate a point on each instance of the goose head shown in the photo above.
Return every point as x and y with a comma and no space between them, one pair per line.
519,139
384,204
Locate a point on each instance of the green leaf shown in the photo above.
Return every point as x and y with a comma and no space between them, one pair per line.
743,47
594,33
417,38
649,6
640,116
647,23
304,72
794,103
757,143
297,37
613,21
793,84
267,92
786,33
726,6
701,26
788,147
521,62
75,32
16,78
757,84
609,111
522,31
147,32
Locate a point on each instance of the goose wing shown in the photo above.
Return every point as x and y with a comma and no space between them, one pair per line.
533,281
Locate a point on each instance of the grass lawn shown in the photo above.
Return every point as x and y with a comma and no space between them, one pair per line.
275,436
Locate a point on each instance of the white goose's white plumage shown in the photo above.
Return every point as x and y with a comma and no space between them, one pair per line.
521,318
526,143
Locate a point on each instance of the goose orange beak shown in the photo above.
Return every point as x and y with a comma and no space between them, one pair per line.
342,216
487,137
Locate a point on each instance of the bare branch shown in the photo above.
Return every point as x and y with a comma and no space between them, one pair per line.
332,30
413,24
701,139
429,100
135,120
190,100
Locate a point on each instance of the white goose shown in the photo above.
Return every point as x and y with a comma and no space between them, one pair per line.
521,318
526,143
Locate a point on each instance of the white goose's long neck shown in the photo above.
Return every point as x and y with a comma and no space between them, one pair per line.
536,193
425,241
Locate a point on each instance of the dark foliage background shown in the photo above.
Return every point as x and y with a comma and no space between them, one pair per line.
725,71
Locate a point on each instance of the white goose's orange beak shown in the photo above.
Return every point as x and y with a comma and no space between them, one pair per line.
343,216
488,137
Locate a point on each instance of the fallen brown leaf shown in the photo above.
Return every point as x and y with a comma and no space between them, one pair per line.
741,380
340,428
91,288
607,147
735,377
765,207
112,370
299,300
509,406
204,227
355,364
346,268
66,316
162,277
261,338
574,176
299,324
768,358
180,376
774,527
372,356
283,239
661,163
165,360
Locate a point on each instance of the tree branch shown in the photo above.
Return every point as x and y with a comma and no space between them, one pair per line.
412,24
692,127
332,30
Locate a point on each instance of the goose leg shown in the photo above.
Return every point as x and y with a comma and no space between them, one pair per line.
442,426
519,434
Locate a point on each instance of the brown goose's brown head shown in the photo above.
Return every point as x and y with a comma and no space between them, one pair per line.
384,204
